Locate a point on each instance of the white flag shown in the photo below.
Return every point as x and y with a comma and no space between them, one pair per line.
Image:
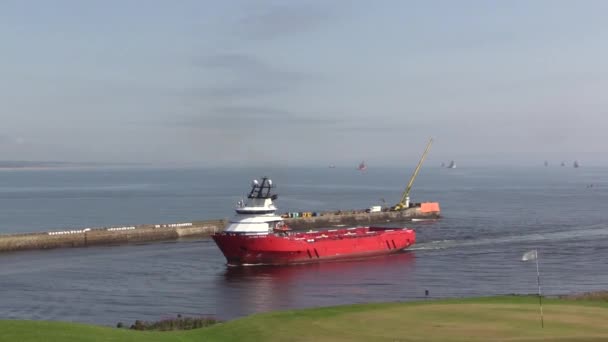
531,255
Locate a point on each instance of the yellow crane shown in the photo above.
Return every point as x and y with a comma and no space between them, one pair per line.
405,198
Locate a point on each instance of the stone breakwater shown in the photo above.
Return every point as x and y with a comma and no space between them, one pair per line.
108,236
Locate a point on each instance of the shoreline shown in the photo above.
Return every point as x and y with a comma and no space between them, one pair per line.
509,317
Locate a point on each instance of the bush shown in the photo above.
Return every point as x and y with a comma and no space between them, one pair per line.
179,323
597,296
138,325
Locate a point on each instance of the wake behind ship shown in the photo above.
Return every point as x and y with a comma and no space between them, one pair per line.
257,236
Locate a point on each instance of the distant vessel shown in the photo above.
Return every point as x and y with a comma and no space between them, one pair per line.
452,165
362,166
546,163
257,236
575,165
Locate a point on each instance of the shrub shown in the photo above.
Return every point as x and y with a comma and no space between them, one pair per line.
179,323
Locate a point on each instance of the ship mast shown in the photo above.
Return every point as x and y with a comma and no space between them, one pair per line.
261,190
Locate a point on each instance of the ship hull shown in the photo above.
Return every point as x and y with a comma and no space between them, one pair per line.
312,247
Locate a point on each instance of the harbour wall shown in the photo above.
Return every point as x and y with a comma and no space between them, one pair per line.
108,236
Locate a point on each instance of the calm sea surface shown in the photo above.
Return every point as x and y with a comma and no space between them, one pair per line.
491,217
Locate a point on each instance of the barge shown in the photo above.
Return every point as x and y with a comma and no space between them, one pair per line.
341,218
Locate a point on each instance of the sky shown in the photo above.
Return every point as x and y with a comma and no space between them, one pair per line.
303,83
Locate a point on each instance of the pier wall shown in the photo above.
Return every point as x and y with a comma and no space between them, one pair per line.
108,236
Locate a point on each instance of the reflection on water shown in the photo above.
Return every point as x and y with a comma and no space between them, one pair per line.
246,290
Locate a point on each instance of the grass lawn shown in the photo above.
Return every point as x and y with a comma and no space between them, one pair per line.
512,318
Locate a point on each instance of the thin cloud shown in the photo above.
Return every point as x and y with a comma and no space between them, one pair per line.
248,67
4,139
236,117
10,140
239,111
232,61
228,91
243,75
280,20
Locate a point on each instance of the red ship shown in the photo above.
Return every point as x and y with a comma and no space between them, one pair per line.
257,236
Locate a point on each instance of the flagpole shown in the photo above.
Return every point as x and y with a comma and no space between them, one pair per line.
540,300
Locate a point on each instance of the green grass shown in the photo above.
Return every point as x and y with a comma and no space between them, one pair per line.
512,318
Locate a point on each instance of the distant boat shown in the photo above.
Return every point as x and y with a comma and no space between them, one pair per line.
452,165
362,166
546,163
575,165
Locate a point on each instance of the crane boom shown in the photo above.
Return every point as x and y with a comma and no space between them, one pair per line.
401,205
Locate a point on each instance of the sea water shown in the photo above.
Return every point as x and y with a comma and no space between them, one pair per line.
491,216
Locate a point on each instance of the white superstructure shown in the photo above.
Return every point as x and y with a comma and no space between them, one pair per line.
257,215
